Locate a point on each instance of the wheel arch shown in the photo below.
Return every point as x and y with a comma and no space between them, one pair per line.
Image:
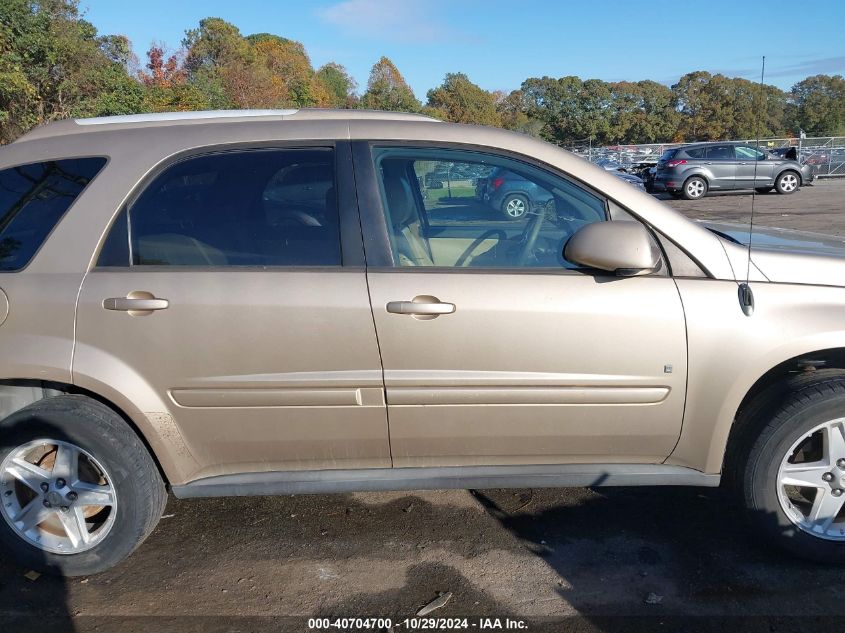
765,394
18,393
795,171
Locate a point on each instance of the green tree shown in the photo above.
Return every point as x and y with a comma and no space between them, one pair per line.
461,101
340,86
571,110
641,112
54,65
818,105
387,90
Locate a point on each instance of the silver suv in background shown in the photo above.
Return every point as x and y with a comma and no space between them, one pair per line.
694,170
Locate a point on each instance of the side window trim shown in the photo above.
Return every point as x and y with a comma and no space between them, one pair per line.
351,239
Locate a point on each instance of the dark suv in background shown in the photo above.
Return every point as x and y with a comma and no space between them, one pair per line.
693,170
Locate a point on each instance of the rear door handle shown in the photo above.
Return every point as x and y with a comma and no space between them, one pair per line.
421,306
137,303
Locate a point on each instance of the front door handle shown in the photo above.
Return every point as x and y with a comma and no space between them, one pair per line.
423,306
136,303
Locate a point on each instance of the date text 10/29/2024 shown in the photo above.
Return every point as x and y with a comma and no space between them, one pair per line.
356,625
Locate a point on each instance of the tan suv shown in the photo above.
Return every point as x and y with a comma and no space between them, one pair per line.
268,302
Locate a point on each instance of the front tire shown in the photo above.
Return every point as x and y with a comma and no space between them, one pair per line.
79,489
793,482
694,188
788,182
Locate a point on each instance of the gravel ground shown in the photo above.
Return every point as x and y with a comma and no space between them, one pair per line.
606,559
819,208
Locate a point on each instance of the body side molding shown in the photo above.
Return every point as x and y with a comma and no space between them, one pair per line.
457,477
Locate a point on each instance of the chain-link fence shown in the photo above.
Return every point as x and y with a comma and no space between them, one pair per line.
826,153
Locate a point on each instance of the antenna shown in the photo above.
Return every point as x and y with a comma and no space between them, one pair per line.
746,296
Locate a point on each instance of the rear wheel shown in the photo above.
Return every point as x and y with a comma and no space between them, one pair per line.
514,206
695,188
788,182
794,478
79,490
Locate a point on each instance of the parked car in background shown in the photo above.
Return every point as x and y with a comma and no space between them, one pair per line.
694,170
511,194
621,172
162,331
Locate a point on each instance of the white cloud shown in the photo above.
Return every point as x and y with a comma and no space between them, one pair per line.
410,21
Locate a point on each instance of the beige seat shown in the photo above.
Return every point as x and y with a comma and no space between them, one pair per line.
412,249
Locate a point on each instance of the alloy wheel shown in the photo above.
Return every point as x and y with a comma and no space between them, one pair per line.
56,496
695,188
811,481
515,208
788,183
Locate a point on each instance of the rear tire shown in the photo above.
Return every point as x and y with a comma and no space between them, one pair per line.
793,478
104,460
787,182
515,206
695,188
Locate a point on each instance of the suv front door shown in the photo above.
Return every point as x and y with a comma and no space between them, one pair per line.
753,170
722,164
263,355
496,350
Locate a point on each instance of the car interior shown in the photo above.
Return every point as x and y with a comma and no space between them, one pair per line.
459,230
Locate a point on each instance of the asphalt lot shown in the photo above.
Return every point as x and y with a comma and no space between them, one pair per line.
645,558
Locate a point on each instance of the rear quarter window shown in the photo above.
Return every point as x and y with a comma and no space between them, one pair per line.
667,155
33,198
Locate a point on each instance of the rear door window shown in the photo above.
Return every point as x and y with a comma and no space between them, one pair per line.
720,152
33,198
241,208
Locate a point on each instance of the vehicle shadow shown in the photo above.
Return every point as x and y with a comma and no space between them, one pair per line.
633,558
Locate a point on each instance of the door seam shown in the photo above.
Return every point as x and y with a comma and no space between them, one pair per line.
372,311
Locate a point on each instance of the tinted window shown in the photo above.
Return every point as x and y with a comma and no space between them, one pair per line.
456,208
748,153
33,198
254,208
720,152
698,152
667,155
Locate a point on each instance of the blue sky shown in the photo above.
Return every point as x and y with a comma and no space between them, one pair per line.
500,43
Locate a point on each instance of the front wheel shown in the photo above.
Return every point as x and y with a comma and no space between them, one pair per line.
788,182
794,477
695,188
79,490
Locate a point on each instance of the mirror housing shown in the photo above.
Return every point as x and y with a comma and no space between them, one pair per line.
623,248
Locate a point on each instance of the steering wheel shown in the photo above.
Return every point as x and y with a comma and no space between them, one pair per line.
478,241
532,232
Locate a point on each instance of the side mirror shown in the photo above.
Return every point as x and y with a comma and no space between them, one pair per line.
624,248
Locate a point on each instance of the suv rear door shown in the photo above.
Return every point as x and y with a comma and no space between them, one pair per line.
263,355
493,356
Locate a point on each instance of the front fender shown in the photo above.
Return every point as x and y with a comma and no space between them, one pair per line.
729,352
